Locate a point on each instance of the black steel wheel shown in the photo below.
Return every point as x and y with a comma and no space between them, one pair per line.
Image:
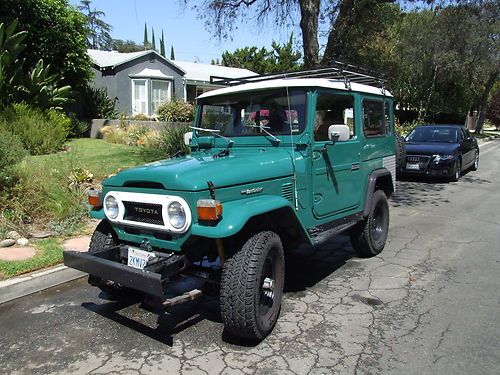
369,236
457,170
252,287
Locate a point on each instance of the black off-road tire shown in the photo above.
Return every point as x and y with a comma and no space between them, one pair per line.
249,309
400,154
368,237
104,237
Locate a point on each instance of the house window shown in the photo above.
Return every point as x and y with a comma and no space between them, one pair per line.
139,96
160,93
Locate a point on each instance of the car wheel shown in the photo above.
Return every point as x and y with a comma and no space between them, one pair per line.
369,236
475,166
252,287
400,154
458,170
104,238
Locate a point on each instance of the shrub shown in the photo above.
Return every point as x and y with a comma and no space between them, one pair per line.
140,117
131,135
11,152
41,132
176,111
97,103
172,140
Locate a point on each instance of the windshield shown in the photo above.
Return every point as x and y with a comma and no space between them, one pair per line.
433,134
254,113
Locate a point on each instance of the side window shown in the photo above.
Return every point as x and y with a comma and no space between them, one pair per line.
374,123
387,115
333,109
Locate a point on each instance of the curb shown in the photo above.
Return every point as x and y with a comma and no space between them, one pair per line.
37,281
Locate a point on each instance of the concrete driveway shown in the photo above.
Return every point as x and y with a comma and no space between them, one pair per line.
428,305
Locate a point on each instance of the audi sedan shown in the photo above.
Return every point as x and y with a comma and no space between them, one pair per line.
440,151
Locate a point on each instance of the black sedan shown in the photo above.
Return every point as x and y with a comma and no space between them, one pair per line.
440,151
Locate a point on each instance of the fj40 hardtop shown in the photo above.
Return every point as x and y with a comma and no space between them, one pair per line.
276,161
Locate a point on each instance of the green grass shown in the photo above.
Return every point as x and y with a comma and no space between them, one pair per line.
97,156
49,253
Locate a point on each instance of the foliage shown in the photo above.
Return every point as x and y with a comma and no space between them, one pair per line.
172,140
11,151
493,113
99,32
176,111
56,33
97,103
131,135
41,132
280,58
125,46
162,44
140,117
10,62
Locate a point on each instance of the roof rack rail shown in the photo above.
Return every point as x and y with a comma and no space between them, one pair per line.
338,70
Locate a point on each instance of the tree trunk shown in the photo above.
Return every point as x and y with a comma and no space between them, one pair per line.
483,103
309,10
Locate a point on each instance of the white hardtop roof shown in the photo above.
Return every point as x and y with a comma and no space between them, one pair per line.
297,82
202,72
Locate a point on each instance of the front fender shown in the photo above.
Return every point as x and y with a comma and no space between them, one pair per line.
236,214
97,214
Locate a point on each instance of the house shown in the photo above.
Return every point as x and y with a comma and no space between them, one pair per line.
142,81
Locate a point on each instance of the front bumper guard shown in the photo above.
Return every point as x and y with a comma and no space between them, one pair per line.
105,265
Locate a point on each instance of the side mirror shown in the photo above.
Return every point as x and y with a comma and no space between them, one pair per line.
187,138
338,133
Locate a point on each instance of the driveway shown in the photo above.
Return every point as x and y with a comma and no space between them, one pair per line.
429,304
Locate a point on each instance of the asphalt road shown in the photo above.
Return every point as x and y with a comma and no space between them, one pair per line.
428,305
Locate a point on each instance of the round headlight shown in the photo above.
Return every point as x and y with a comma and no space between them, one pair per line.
176,215
111,207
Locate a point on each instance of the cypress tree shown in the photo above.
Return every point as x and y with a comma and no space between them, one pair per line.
172,54
153,43
162,44
146,42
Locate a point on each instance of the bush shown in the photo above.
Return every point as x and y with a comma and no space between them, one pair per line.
11,152
41,132
97,104
176,111
131,135
172,140
140,117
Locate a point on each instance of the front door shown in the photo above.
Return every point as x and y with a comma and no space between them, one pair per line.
336,168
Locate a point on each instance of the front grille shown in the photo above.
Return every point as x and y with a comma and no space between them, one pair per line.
148,213
421,160
287,191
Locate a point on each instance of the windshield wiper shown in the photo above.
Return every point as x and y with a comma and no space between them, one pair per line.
215,132
277,140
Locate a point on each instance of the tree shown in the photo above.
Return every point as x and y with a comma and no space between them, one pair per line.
493,113
145,42
172,53
162,44
56,33
337,16
153,43
99,31
126,46
280,58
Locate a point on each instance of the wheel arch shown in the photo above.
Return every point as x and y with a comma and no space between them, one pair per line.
380,179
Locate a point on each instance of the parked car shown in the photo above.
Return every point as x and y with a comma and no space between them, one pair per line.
229,213
440,151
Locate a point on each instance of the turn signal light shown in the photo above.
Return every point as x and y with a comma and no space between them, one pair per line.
209,209
94,198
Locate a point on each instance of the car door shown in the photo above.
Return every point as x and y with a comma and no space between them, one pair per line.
335,167
470,144
466,147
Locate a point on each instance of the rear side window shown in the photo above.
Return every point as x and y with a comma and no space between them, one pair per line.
374,122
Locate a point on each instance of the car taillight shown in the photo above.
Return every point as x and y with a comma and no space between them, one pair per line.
209,209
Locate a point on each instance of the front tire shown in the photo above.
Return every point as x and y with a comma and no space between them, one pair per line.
252,287
458,170
369,236
475,166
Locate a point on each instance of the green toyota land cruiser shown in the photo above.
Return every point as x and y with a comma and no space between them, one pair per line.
276,161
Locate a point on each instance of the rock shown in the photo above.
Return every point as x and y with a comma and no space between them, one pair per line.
23,242
7,243
13,235
40,235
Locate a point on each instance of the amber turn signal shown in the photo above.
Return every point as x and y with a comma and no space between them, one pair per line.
94,198
209,209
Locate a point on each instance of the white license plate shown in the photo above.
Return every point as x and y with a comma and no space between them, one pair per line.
138,258
412,167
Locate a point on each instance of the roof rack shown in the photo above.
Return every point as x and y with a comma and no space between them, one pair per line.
338,70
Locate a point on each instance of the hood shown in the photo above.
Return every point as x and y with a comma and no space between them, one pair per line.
430,148
191,173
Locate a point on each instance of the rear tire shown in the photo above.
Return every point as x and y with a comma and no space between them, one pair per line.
400,154
369,236
252,287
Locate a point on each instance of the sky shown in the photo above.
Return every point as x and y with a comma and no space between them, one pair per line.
181,28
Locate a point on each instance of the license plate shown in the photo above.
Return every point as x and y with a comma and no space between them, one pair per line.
412,167
138,258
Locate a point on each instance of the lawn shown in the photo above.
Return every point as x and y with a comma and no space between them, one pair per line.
97,156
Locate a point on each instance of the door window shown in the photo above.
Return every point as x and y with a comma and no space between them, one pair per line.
374,123
333,109
160,93
139,96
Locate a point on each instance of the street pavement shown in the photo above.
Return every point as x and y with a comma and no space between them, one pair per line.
429,304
